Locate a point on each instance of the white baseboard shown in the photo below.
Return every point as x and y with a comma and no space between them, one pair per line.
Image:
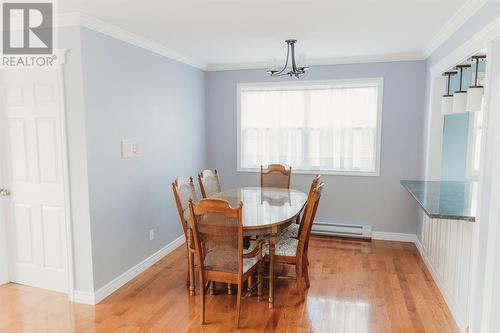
394,236
118,282
83,297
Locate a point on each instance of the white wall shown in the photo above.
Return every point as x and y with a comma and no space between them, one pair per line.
485,304
77,155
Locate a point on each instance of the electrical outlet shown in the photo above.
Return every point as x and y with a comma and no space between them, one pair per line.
151,234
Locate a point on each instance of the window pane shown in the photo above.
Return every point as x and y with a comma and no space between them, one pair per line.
329,127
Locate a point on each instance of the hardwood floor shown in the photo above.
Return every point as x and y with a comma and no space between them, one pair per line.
356,286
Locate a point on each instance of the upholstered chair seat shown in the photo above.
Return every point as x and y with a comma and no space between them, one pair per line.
292,231
223,261
285,247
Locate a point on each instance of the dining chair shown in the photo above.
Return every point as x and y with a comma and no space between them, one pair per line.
218,237
293,230
293,251
275,175
184,191
209,183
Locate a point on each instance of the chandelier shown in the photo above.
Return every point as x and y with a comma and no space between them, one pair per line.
290,69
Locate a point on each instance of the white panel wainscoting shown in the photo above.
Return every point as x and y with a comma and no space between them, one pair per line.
446,245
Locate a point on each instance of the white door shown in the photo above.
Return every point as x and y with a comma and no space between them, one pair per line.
30,135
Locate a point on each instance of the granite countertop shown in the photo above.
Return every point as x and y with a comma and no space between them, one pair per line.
453,200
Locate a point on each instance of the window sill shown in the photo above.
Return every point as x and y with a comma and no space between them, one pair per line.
322,172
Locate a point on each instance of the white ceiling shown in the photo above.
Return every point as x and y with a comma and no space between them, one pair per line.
232,32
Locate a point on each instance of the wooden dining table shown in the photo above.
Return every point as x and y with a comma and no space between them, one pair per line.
266,210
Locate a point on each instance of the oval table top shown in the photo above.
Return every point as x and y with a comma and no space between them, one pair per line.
265,207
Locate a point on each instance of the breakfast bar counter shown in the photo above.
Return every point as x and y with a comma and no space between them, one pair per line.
451,200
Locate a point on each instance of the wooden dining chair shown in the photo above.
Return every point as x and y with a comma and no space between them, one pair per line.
275,175
218,237
293,251
184,191
293,230
209,183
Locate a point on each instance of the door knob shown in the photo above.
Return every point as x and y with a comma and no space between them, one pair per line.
4,192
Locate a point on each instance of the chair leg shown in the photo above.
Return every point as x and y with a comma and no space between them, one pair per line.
229,290
306,273
259,281
211,288
299,277
238,306
201,292
188,281
191,272
250,284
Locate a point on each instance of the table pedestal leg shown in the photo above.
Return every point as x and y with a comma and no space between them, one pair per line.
272,246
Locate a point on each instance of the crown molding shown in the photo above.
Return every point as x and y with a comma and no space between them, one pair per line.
92,23
468,9
489,33
413,56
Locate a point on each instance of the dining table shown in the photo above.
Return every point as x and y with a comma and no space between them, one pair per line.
266,210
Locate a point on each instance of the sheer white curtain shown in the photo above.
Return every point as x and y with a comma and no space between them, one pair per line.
327,127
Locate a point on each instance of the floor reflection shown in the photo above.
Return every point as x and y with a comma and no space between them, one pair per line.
338,315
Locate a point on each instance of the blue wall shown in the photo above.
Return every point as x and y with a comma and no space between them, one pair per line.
454,153
132,93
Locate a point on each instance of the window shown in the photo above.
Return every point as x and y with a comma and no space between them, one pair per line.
331,127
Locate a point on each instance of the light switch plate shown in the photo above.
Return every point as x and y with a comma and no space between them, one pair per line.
130,149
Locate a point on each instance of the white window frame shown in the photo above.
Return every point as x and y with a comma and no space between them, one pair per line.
471,146
471,142
379,81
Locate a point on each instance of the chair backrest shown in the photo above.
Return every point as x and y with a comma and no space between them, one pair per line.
275,175
309,214
218,235
209,183
314,185
184,191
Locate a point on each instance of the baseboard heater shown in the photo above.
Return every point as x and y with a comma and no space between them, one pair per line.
341,229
